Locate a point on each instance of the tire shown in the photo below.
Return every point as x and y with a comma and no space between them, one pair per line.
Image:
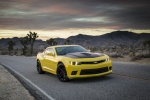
39,68
61,73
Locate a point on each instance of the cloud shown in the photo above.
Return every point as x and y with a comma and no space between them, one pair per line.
65,14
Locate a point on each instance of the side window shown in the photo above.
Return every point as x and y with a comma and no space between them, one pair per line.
45,51
49,50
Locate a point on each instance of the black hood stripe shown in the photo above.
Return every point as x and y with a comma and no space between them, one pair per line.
83,55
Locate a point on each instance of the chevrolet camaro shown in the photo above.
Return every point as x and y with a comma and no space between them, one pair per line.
72,61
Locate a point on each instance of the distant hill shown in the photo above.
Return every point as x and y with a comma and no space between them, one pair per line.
4,43
109,40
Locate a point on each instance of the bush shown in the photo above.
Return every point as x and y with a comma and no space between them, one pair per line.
3,52
143,55
115,55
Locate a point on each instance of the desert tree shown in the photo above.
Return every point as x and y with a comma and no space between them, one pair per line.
24,41
31,38
51,42
67,41
10,46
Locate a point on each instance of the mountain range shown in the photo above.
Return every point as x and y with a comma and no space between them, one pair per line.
109,39
106,40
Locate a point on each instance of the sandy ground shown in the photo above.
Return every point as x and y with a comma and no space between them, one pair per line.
127,59
11,88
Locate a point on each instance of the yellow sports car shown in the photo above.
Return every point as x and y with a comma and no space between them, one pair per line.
72,61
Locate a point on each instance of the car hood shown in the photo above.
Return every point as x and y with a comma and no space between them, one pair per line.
83,55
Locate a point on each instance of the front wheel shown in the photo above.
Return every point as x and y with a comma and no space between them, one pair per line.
39,68
61,73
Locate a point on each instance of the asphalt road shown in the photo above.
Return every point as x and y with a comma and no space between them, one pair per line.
129,81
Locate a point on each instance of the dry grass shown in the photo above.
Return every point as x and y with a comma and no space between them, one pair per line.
140,58
128,59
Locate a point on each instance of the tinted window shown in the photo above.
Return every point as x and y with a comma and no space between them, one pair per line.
69,49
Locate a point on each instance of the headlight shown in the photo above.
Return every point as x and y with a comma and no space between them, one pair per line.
107,59
75,63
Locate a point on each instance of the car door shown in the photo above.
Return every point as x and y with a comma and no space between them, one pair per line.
50,60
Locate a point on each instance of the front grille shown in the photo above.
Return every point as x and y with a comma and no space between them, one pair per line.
93,71
94,62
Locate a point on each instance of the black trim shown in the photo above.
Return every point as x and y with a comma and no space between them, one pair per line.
93,71
83,55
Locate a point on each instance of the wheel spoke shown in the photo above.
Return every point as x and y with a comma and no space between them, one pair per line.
61,73
38,67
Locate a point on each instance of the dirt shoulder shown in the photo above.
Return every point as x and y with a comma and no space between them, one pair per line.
11,88
127,59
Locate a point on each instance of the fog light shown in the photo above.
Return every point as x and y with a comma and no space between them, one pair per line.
73,72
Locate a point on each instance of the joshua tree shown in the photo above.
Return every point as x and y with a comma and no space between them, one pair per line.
31,38
67,41
24,41
10,46
51,42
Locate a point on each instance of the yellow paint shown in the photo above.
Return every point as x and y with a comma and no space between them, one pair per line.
49,64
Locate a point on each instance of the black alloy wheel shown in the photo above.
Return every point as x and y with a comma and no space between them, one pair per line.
39,68
61,73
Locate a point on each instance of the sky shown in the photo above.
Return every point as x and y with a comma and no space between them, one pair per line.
64,18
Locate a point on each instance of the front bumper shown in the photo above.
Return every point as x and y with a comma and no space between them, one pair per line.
89,70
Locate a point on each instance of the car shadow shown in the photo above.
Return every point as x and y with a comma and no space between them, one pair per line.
82,80
92,79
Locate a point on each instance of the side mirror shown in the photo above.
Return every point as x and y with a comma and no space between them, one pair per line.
50,54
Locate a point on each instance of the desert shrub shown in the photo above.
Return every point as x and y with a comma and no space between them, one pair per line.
132,56
28,52
146,45
101,49
17,52
67,41
4,52
132,52
113,49
35,52
120,49
92,49
143,55
115,55
51,42
24,41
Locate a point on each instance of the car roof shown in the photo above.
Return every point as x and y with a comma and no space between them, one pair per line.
61,46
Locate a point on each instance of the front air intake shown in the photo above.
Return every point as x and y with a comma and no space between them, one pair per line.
93,71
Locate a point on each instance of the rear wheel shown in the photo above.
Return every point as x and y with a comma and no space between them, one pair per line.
61,73
39,68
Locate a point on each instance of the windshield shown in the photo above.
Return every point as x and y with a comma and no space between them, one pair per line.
69,49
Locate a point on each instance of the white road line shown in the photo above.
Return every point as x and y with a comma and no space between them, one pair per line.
48,96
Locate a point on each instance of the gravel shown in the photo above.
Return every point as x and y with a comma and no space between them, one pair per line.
11,88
